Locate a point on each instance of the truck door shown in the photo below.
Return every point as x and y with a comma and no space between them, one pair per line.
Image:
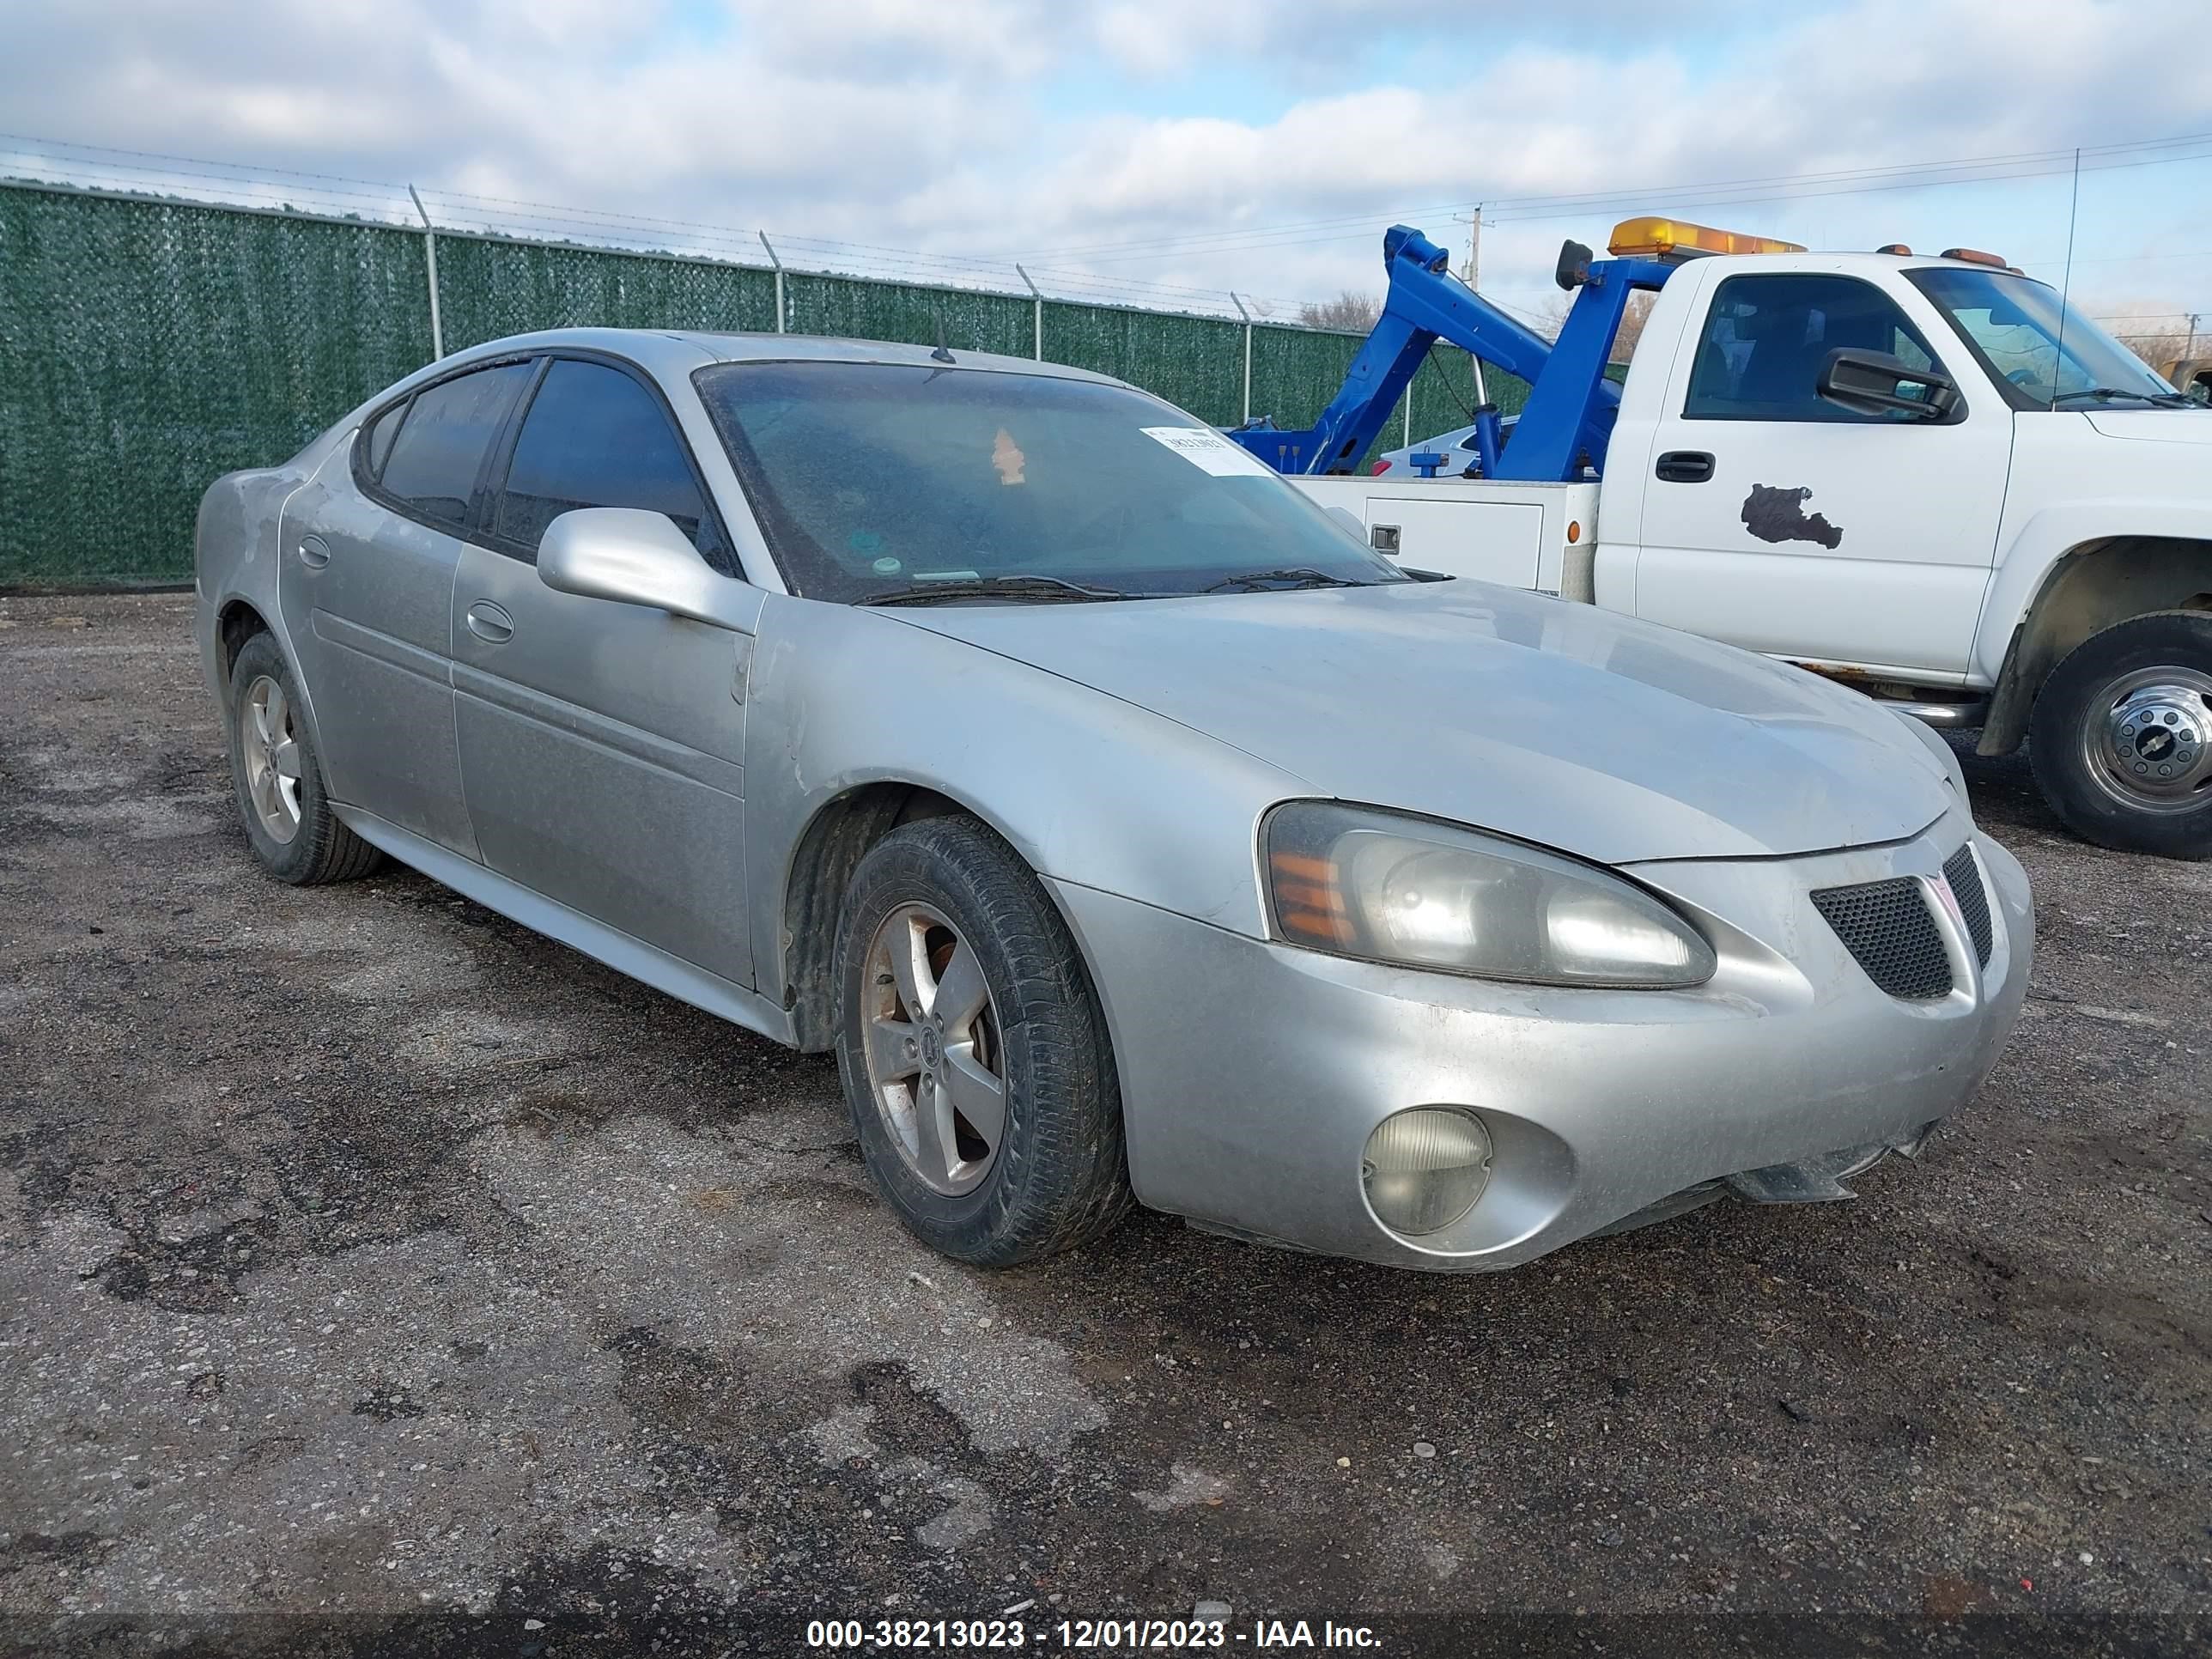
1780,522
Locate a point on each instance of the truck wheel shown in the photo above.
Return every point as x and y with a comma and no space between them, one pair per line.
2121,739
973,1051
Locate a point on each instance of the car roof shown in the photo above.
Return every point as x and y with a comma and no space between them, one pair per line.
1853,264
673,354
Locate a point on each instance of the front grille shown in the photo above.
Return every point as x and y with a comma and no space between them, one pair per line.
1965,878
1887,926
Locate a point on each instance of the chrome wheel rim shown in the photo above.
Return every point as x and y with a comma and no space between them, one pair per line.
936,1069
2148,739
271,745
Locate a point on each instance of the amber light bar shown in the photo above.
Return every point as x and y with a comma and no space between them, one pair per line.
1658,237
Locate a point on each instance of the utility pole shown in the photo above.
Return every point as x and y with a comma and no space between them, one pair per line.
1472,278
1472,275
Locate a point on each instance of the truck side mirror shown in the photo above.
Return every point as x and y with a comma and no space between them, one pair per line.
1874,383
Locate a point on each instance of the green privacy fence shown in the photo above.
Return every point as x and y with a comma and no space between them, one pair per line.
147,346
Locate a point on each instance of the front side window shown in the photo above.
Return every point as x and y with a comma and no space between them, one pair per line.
595,437
872,480
2043,350
439,447
1767,338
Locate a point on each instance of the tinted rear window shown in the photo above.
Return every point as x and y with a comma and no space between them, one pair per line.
440,446
377,442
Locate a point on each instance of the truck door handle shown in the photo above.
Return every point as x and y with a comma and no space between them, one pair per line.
314,552
490,623
1684,466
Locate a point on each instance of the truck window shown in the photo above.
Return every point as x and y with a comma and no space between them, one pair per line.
1766,338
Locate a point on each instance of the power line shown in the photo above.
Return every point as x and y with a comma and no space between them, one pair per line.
1778,188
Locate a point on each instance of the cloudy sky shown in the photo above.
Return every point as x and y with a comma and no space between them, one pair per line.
1145,148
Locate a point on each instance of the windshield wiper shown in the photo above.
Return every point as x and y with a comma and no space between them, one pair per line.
996,587
1254,581
2105,394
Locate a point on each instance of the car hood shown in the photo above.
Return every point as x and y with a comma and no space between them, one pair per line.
2171,426
1554,722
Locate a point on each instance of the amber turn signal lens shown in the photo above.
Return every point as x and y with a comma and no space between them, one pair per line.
1308,901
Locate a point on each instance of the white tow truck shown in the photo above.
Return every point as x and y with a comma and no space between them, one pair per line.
1929,478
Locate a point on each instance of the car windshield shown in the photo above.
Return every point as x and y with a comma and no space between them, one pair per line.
881,482
2034,342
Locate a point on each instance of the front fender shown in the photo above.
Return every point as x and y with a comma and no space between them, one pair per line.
1091,790
2047,539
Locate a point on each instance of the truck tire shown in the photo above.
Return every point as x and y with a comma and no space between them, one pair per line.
277,777
973,1051
2121,737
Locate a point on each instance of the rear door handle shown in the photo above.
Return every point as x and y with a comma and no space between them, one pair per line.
314,552
488,623
1684,466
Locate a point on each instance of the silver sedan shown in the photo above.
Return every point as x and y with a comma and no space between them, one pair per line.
1129,831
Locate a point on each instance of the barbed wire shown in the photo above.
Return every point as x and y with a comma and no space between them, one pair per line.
345,196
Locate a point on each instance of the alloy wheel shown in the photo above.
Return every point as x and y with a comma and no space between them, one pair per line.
936,1066
271,745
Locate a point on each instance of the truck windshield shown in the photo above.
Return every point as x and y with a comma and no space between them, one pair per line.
873,481
2047,353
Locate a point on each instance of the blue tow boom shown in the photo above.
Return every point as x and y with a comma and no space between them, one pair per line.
1563,429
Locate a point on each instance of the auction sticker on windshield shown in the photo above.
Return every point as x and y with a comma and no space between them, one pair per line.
1208,451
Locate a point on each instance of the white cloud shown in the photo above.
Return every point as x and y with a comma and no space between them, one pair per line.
1007,127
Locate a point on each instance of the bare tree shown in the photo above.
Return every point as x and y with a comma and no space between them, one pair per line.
2167,346
1350,311
1553,317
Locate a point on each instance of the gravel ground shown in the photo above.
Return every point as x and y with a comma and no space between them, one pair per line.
381,1279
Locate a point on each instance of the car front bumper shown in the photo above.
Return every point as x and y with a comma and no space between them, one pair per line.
1252,1072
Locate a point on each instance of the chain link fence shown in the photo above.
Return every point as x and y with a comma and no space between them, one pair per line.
147,346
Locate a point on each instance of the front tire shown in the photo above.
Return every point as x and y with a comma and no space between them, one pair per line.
973,1052
277,776
2121,737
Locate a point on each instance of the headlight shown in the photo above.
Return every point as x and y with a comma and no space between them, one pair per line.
1362,883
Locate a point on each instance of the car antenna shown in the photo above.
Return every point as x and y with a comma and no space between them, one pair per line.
944,353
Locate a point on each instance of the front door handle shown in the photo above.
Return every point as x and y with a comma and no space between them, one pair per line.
488,623
1684,466
314,552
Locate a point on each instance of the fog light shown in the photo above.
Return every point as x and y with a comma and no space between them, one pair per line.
1424,1169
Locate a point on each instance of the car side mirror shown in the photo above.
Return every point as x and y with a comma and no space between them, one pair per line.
634,556
1348,521
1874,383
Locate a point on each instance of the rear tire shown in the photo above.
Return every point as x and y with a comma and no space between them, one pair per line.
973,1052
277,776
2121,737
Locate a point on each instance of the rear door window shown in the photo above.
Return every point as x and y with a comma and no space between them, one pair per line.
376,443
440,446
595,437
